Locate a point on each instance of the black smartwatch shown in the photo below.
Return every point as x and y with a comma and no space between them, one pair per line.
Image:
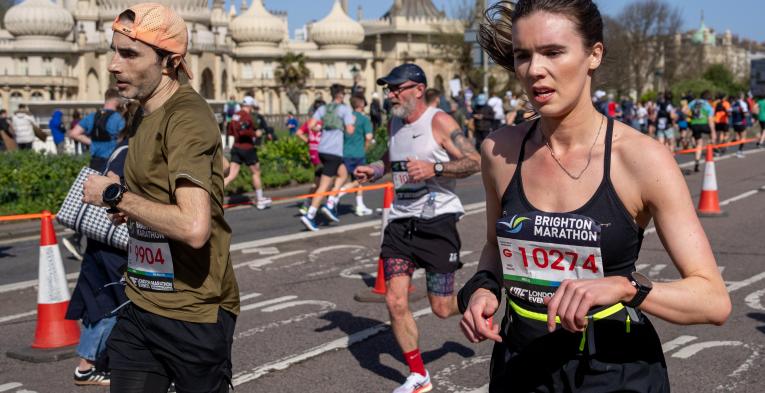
643,286
438,167
112,196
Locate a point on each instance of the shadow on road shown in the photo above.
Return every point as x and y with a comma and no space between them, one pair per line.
758,317
4,254
368,353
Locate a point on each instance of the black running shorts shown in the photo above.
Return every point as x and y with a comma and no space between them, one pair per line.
739,127
197,356
330,164
432,244
244,156
722,127
699,130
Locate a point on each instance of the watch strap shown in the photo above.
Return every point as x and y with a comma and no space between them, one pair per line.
640,295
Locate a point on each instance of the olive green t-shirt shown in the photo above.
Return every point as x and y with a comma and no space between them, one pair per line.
179,141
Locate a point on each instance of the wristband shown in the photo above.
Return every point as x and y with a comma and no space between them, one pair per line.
483,279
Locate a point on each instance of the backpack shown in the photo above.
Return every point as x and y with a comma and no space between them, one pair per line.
696,111
99,133
330,119
719,107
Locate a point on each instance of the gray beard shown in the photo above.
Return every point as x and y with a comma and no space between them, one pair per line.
403,110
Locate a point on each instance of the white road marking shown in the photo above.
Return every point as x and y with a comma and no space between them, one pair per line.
267,302
8,386
261,251
754,300
341,343
243,297
17,316
671,345
357,271
442,378
738,197
736,285
482,389
656,270
314,255
271,325
641,266
295,303
693,349
374,234
329,231
321,272
267,261
30,284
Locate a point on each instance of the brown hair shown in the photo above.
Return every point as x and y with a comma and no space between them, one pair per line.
432,95
496,36
357,101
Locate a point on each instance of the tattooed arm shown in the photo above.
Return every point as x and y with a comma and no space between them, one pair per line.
464,159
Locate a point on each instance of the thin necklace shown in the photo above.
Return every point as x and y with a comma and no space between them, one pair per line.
589,155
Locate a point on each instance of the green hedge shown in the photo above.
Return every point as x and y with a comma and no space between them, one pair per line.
31,182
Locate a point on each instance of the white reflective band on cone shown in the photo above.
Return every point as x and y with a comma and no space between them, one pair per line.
710,178
52,280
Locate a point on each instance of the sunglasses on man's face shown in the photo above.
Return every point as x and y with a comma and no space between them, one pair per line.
397,90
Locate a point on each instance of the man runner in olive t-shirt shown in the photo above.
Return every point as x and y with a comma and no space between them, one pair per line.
179,326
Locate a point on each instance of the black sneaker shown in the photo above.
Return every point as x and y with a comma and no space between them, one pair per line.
91,377
72,244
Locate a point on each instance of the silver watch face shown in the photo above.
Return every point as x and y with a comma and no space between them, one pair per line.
439,168
641,280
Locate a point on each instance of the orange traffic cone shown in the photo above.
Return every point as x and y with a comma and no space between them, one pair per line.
709,202
54,335
377,295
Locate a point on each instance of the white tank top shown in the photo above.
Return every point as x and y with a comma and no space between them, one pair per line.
432,197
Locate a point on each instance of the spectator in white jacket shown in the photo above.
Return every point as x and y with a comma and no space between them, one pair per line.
24,125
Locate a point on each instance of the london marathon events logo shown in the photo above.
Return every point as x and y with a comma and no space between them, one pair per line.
516,224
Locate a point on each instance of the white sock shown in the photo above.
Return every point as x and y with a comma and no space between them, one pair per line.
311,212
259,193
360,201
331,202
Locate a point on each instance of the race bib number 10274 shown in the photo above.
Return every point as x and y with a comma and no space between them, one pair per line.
540,250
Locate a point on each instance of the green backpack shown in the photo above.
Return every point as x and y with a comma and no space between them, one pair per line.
330,119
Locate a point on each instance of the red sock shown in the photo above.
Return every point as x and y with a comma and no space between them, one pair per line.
414,360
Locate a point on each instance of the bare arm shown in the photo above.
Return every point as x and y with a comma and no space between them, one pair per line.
465,159
78,134
187,221
700,296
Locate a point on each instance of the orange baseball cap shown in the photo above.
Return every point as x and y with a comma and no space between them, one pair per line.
158,26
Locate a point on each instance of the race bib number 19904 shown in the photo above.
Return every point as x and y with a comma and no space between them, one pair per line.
150,262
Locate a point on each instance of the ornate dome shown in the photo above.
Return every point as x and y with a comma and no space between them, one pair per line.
38,18
337,30
257,26
189,10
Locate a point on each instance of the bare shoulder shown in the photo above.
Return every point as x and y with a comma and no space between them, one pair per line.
503,145
444,123
640,155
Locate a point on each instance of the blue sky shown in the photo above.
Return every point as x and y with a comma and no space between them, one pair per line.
742,17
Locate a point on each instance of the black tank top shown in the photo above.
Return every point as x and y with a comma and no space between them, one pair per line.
540,249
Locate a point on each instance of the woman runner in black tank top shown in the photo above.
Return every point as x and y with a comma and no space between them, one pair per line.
567,199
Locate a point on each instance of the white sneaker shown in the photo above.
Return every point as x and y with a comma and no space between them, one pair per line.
263,203
71,248
362,211
415,383
739,154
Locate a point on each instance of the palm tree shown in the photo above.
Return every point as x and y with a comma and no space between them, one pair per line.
292,75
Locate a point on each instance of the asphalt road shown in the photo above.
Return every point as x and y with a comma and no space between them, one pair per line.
301,329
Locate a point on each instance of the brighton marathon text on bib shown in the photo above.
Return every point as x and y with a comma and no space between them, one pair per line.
150,262
539,250
404,189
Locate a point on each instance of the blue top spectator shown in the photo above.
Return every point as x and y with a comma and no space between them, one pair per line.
100,130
